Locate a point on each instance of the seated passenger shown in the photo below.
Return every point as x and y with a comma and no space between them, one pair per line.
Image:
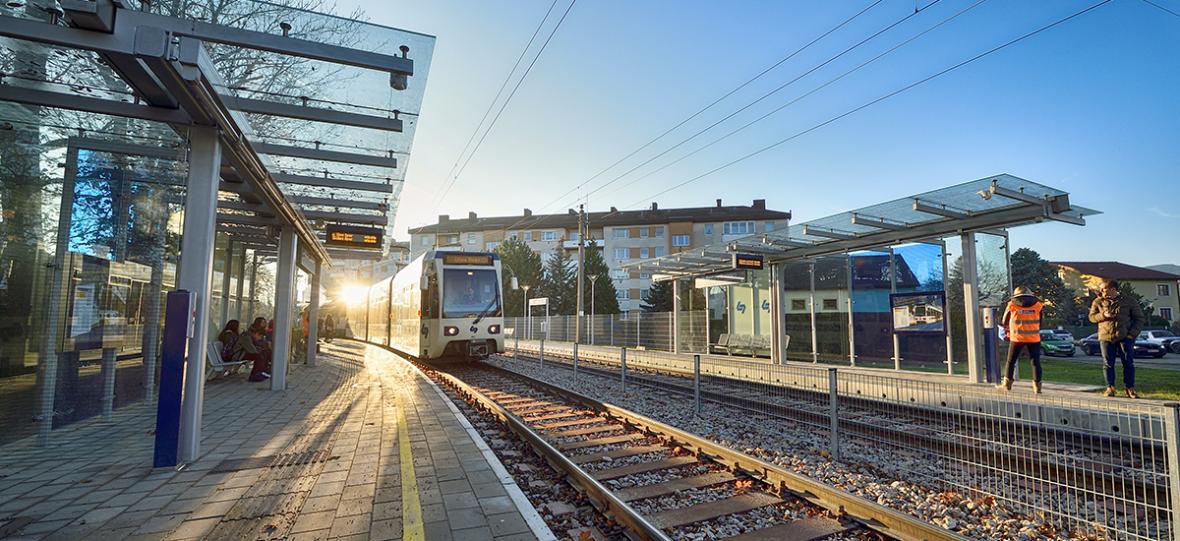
228,337
247,350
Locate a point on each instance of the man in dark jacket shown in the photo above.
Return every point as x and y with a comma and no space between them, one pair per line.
1119,320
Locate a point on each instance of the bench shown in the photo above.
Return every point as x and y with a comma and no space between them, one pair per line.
745,344
216,367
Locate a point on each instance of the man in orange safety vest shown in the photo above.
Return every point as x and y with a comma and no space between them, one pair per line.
1022,320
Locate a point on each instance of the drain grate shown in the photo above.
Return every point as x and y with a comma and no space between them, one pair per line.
273,461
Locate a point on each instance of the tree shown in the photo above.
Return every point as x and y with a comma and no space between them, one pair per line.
604,297
1030,271
560,282
659,298
522,262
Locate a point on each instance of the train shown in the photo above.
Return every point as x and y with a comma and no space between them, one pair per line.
442,305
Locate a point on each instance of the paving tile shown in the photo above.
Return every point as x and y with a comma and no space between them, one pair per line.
438,531
386,529
507,523
192,529
160,524
466,518
462,500
314,521
481,533
498,504
351,525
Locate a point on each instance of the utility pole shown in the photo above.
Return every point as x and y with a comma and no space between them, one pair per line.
581,271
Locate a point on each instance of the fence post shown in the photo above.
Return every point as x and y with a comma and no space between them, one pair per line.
1172,440
623,371
575,363
516,335
696,381
833,413
542,355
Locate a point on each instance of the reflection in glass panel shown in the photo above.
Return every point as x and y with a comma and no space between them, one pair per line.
871,316
991,253
919,269
749,313
796,306
831,309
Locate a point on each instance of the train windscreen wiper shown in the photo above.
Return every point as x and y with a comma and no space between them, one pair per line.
484,312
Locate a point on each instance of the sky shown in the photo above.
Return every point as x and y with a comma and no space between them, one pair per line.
1088,107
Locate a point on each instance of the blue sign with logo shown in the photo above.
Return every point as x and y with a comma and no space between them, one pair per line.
741,307
765,305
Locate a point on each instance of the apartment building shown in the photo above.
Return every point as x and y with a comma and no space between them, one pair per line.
625,235
1156,287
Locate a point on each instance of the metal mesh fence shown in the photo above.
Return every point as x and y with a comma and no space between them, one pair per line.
638,330
1088,467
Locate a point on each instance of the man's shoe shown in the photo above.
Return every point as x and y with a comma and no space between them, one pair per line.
1131,393
1005,385
1110,391
1037,387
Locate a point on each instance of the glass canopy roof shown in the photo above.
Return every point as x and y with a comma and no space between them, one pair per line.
988,203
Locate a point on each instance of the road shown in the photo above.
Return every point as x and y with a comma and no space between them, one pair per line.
1171,361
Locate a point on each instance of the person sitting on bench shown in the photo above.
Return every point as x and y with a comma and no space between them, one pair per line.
246,349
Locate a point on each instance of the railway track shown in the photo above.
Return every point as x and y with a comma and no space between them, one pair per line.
1098,475
659,482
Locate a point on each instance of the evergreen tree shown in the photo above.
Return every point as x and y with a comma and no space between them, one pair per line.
658,297
604,297
1029,270
560,282
519,260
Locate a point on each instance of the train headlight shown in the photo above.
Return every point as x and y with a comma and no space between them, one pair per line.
451,331
493,329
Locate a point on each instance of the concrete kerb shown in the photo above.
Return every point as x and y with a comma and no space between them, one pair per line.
536,524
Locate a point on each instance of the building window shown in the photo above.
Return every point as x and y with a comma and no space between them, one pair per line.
471,238
620,253
798,304
643,293
548,235
1163,290
830,304
620,232
769,227
708,229
645,276
492,246
618,274
453,239
643,253
739,228
643,232
528,236
659,232
1166,313
679,240
512,235
425,241
661,251
574,236
622,294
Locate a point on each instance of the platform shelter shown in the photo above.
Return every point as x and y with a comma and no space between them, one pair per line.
873,287
153,146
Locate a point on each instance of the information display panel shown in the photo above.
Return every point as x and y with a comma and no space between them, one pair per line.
919,312
354,237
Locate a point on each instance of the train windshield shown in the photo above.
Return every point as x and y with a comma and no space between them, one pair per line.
470,292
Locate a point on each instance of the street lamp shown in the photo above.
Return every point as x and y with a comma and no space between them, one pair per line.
593,280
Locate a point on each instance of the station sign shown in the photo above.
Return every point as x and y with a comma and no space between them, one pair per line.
354,237
459,258
539,301
748,262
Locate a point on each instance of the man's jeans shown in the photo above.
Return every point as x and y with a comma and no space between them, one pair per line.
1124,349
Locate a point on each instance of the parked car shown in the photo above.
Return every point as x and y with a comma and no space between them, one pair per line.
1166,339
1053,343
1143,348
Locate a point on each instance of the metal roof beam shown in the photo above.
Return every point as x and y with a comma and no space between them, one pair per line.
367,219
785,243
343,203
879,223
61,100
247,220
813,231
333,183
315,114
325,155
940,210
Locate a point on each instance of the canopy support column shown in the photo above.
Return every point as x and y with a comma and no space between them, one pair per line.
196,275
226,281
313,313
284,308
238,305
676,316
974,325
777,328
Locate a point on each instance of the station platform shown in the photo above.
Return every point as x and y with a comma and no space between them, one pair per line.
361,446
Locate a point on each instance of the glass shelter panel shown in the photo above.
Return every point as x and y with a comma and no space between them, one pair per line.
871,319
797,309
918,269
831,309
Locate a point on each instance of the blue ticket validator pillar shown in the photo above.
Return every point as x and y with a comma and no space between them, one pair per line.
178,327
991,344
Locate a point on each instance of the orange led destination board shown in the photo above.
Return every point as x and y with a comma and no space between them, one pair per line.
747,261
354,237
466,259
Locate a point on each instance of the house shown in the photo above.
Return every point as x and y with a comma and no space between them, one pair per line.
1158,288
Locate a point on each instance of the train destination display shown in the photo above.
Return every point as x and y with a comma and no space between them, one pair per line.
354,237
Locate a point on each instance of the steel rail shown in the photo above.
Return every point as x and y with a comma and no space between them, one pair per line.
1153,493
603,498
892,523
